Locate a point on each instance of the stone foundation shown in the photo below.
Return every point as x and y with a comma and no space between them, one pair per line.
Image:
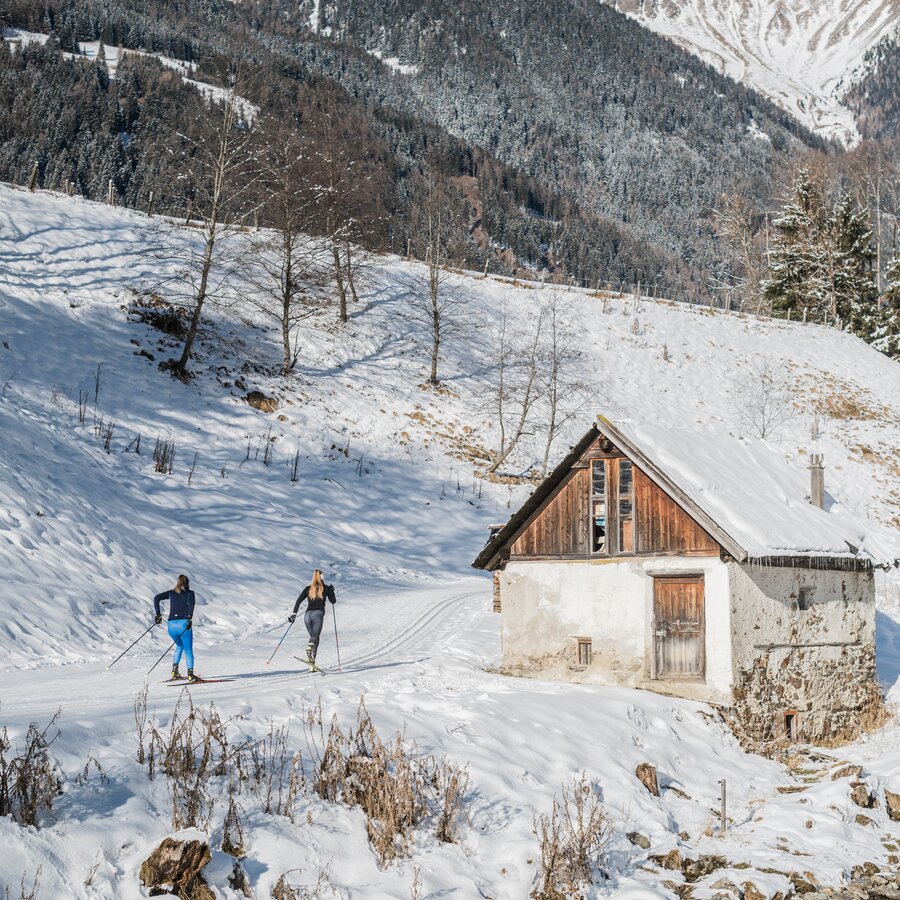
831,691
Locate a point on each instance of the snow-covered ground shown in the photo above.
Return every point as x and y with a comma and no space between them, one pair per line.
388,505
800,53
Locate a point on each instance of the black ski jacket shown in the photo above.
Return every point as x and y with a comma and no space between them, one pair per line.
181,605
315,604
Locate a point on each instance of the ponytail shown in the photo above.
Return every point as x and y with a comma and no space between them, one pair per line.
317,586
182,585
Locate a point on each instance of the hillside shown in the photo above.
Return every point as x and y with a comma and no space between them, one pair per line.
590,147
388,501
802,54
875,96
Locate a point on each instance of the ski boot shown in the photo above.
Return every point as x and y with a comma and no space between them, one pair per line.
176,674
311,656
192,678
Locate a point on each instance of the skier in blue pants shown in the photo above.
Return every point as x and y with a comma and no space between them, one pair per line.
181,613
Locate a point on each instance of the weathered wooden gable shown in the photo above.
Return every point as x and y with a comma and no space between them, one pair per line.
561,527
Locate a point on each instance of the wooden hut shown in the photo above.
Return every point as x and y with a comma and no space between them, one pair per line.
694,564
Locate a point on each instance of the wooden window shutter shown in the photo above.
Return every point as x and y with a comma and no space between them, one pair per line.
497,591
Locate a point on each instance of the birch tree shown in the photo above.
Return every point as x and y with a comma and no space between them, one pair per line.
438,305
518,386
287,266
218,161
564,392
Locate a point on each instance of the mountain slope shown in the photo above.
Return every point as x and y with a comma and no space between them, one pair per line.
580,97
388,502
388,461
800,53
875,97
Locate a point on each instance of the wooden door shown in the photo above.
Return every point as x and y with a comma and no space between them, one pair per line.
678,628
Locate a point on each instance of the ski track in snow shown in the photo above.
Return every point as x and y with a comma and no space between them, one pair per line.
87,538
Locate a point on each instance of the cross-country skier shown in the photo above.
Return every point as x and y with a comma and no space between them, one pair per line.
315,594
181,613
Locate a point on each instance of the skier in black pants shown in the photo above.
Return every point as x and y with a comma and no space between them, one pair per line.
315,594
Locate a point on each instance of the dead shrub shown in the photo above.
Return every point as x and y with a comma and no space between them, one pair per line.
29,778
164,456
277,774
232,828
573,841
194,751
396,787
323,889
196,756
450,785
153,310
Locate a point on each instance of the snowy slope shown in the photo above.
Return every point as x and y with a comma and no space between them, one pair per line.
387,506
800,53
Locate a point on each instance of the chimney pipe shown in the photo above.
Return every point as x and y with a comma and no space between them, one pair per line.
817,480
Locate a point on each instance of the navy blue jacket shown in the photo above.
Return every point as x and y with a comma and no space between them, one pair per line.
181,605
315,604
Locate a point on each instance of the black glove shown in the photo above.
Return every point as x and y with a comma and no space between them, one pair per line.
190,622
158,619
291,618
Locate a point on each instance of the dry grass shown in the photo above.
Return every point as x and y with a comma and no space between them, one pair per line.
323,889
573,841
396,787
29,778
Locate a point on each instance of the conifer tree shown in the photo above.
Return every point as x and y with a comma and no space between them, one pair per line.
822,260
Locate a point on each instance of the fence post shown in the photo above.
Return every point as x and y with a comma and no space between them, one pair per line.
723,786
32,181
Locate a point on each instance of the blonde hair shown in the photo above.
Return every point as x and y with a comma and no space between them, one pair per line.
182,585
317,586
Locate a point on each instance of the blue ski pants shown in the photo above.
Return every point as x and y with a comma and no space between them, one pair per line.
184,641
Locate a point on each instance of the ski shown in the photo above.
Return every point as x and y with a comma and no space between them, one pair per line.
187,683
314,669
175,680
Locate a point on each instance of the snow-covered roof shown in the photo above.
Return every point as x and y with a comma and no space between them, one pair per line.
752,500
754,496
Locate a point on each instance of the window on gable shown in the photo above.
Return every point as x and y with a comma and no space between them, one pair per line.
804,598
626,507
598,506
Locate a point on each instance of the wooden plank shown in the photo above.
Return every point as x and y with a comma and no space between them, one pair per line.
679,627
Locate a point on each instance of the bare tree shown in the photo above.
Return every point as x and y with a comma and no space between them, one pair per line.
737,224
288,268
218,164
518,386
352,176
438,306
765,401
563,390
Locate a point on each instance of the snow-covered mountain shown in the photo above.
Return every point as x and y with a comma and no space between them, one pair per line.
800,53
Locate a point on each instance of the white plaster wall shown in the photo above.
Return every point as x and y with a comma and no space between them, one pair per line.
547,604
765,613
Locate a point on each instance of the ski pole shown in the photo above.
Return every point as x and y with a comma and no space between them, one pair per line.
337,644
161,658
152,626
279,643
